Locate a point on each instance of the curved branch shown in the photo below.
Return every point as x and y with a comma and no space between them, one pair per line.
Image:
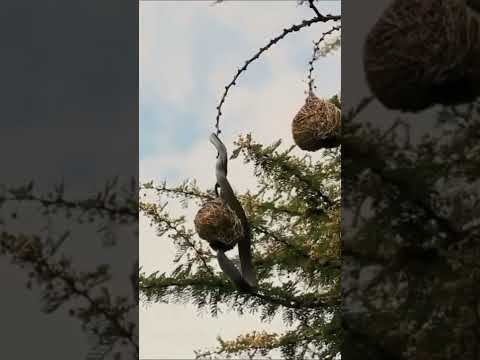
316,48
291,29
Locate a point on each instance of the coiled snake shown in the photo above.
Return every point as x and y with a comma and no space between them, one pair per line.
245,277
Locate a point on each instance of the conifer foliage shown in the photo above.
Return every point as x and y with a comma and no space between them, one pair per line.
295,218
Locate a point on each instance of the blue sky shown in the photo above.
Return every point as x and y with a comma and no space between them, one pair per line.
213,43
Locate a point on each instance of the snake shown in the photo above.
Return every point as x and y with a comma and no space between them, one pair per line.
244,277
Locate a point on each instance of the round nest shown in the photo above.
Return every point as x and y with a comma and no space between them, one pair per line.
218,224
419,53
317,125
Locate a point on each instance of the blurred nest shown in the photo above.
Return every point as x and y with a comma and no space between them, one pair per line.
317,125
218,224
423,52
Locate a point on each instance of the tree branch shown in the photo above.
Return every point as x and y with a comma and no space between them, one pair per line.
316,48
26,250
314,8
85,205
152,211
291,29
291,302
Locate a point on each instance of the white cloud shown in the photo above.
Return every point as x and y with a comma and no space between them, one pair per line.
165,44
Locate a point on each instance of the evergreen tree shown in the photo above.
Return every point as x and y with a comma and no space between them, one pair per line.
295,219
107,313
410,245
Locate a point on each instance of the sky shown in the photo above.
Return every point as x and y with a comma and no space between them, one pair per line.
189,51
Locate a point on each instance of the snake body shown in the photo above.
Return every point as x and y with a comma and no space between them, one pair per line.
245,278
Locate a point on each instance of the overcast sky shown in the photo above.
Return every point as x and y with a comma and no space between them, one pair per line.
189,50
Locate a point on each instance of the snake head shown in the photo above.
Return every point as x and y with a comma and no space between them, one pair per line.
215,140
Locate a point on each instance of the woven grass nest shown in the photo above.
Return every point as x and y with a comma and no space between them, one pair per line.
424,52
216,223
317,125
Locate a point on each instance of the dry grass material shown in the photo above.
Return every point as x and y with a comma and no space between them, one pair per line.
317,125
218,224
423,52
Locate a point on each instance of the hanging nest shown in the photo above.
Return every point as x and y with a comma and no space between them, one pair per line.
317,125
423,52
218,224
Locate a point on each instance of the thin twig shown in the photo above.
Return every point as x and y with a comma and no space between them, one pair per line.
293,302
171,226
190,243
314,8
88,205
51,272
316,49
181,192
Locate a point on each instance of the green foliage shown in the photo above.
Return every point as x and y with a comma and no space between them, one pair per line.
410,244
103,313
295,219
